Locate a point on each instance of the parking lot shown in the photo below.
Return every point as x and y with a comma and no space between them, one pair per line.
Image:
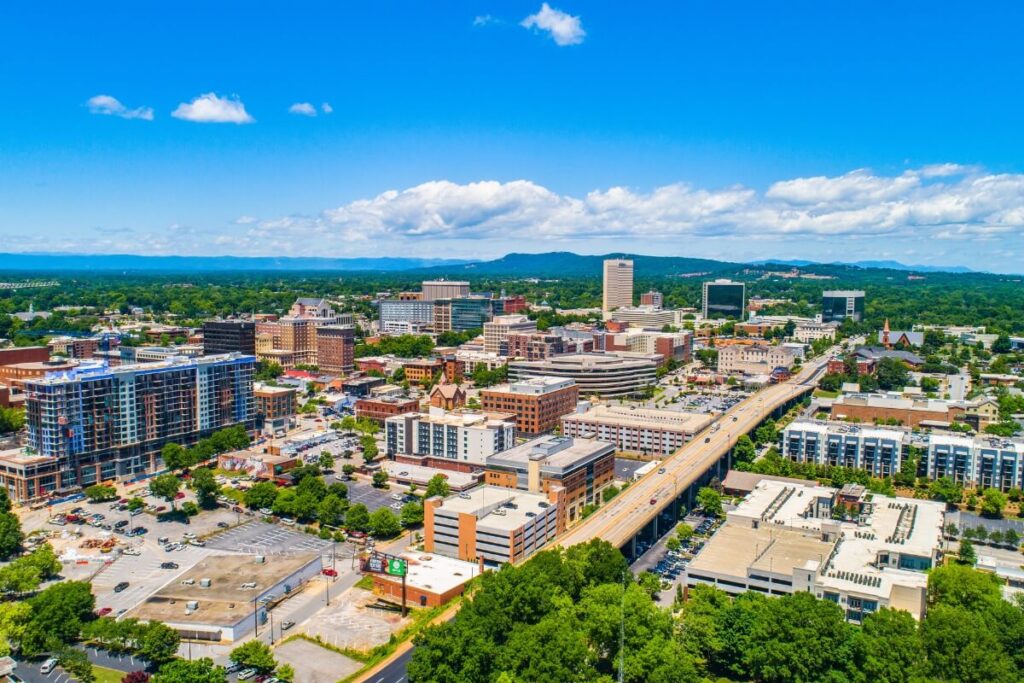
669,565
260,538
143,574
372,498
625,468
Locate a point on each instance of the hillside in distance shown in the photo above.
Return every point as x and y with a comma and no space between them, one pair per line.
567,264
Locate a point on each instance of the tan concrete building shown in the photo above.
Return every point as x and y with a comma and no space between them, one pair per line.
497,331
618,284
756,359
648,431
444,289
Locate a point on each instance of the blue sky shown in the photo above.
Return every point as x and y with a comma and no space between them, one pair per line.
732,130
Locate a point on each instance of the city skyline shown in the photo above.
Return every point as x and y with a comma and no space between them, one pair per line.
478,129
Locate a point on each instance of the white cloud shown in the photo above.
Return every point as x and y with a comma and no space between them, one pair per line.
244,220
110,106
209,108
326,108
911,206
483,20
565,29
303,109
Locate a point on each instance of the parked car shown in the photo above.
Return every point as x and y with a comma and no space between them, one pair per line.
330,572
121,586
246,674
223,525
287,625
104,611
168,565
48,666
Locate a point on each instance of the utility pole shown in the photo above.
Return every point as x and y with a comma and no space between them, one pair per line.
622,632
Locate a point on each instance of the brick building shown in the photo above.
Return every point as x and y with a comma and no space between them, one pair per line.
537,403
380,409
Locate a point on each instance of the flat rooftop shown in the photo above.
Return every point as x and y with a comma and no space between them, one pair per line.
556,453
433,572
225,602
734,549
484,500
421,475
651,418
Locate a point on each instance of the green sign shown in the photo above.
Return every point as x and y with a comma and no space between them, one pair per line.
396,566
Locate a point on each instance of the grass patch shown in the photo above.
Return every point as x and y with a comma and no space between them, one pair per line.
822,393
366,583
105,675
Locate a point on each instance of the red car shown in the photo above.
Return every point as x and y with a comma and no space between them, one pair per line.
104,611
357,534
330,572
654,501
179,495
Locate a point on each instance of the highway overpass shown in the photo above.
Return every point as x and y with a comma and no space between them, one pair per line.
656,500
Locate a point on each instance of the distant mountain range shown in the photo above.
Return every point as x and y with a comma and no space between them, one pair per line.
544,265
883,265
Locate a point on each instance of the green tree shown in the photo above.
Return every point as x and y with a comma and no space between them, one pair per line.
960,586
673,544
380,478
332,510
11,535
960,646
412,514
254,655
5,501
370,450
285,673
609,492
204,483
348,470
767,433
357,518
195,671
946,490
175,456
684,531
326,461
650,583
710,501
158,643
348,423
992,502
891,374
76,663
438,486
888,647
384,524
100,493
744,451
165,486
261,495
11,420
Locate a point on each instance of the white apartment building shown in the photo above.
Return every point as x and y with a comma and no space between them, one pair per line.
445,438
496,331
618,284
877,450
756,359
982,461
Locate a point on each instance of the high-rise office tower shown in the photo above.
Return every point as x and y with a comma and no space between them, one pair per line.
724,299
618,284
229,336
837,306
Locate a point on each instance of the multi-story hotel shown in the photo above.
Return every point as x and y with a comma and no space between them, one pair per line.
335,348
756,359
652,298
400,313
492,523
298,337
537,402
649,431
448,440
603,374
275,407
618,284
497,331
96,423
581,467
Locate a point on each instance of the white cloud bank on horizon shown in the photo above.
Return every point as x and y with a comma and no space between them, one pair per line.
564,28
110,106
209,108
935,203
